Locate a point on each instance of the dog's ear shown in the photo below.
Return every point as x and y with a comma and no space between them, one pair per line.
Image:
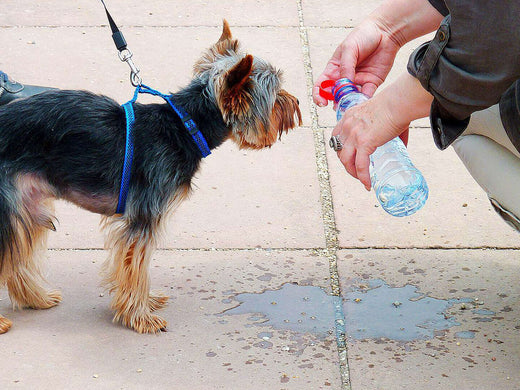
226,42
226,32
238,75
222,47
234,95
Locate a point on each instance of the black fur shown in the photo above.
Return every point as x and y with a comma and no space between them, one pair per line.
75,140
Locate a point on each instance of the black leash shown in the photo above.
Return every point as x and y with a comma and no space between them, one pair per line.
117,35
125,55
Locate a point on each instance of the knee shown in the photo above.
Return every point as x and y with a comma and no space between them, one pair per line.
496,170
508,217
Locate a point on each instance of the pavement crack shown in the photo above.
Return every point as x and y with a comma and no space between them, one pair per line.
329,222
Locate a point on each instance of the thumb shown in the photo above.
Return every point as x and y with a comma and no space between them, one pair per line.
348,62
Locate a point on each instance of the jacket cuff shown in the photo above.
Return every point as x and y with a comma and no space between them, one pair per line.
510,113
445,127
440,6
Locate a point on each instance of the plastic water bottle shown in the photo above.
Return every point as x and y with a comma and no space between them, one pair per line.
400,187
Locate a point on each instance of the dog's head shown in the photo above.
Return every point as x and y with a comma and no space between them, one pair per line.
248,92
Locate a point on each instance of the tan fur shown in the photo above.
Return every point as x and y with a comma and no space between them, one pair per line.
234,98
5,324
285,116
286,113
126,272
21,268
225,44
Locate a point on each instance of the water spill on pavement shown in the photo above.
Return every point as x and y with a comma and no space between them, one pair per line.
373,311
377,310
302,309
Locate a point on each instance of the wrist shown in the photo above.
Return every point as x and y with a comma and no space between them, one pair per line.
404,20
404,101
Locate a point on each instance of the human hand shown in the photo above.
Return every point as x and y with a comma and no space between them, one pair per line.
361,130
365,57
371,124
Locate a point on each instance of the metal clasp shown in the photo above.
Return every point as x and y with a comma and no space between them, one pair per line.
126,56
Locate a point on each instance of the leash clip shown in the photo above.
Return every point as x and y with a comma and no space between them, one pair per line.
126,55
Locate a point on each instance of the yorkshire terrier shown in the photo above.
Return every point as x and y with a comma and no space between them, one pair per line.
71,145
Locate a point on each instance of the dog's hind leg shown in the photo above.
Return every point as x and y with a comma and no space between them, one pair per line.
34,215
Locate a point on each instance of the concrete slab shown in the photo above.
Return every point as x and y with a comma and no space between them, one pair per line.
242,317
156,13
75,345
478,350
337,13
457,213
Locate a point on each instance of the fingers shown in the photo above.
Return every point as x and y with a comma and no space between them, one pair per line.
319,100
354,155
362,168
348,60
369,89
404,137
342,64
356,163
347,156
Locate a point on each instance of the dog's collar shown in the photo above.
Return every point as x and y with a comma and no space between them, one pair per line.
186,120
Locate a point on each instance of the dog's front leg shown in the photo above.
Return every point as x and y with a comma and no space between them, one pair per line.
128,279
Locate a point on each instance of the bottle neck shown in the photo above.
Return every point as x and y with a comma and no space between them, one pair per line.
343,87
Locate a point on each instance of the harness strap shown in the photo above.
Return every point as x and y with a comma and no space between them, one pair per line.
128,107
188,123
129,154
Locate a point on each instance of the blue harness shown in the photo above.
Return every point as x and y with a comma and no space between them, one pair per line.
187,121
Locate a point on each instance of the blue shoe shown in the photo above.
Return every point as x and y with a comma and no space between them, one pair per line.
11,90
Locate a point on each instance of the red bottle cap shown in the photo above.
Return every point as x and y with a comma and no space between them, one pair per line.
326,88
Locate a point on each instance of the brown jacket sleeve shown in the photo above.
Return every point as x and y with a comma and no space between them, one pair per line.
472,60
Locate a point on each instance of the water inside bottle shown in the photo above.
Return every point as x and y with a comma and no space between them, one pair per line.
402,193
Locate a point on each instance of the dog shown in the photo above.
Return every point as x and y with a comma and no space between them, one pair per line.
71,145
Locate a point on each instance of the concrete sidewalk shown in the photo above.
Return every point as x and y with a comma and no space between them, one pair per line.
282,271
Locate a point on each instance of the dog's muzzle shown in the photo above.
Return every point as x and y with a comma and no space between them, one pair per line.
335,143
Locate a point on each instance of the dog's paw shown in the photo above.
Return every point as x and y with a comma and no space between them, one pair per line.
51,299
149,324
5,324
157,301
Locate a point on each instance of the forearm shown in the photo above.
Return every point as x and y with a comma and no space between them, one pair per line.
403,101
405,20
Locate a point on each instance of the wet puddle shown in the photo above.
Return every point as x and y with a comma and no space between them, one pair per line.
302,309
372,310
375,310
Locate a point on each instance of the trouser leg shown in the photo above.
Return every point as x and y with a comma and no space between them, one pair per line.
493,161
